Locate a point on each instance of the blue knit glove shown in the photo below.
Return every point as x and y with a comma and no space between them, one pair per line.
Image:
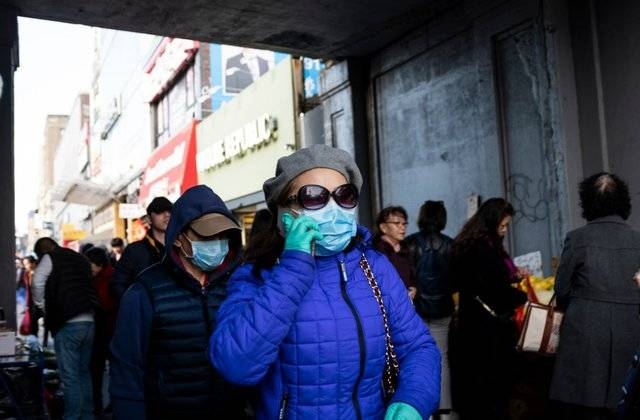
402,411
299,232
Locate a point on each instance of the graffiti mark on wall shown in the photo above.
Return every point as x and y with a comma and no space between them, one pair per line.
528,198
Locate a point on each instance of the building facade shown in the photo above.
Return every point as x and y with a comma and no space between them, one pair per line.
517,99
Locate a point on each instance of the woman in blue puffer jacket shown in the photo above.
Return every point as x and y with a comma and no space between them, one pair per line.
301,320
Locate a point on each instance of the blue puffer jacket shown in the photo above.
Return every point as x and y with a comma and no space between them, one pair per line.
313,339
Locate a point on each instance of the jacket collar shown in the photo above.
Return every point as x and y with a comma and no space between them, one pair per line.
609,219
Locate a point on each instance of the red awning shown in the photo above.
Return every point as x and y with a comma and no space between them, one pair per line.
171,168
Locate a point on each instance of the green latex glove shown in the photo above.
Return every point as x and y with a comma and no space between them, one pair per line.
299,232
402,411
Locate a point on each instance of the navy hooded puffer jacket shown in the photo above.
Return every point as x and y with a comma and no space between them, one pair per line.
313,339
160,367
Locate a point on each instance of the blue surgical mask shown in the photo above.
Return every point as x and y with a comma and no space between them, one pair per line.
337,225
208,255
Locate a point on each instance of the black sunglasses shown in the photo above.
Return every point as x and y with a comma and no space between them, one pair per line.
315,197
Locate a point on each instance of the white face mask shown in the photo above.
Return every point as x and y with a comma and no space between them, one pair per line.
208,255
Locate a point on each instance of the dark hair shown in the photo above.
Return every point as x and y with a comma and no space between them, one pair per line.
261,222
384,214
432,217
31,259
264,248
98,256
43,246
85,247
116,242
604,194
484,225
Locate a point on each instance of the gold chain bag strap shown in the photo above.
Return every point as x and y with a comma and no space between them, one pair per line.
391,366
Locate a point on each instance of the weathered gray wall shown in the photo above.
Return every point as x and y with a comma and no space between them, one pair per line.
468,105
343,89
618,29
606,53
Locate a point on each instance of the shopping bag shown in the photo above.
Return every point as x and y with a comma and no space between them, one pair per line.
521,310
25,324
541,329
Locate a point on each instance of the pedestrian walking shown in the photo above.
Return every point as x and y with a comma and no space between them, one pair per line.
63,289
104,322
160,368
303,321
430,250
145,252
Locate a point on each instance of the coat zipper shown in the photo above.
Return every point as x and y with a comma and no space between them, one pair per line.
361,345
282,413
205,311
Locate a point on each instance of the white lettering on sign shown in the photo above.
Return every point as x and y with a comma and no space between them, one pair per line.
163,166
252,135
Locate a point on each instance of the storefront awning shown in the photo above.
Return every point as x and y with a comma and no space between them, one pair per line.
82,192
171,168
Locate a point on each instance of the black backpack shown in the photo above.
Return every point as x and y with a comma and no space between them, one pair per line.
434,299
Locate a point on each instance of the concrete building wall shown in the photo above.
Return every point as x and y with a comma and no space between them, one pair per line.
461,110
605,43
68,157
343,92
54,128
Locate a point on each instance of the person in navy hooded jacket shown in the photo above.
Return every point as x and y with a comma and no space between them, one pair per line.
301,320
159,368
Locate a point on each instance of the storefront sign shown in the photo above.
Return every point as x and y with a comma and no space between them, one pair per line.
171,168
164,165
130,210
71,233
170,57
251,136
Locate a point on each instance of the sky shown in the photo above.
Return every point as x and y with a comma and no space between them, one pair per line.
55,66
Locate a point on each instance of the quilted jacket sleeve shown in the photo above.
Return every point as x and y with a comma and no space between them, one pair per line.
419,357
257,315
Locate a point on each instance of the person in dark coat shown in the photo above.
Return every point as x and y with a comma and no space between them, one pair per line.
483,348
62,288
391,228
430,250
159,366
117,248
145,252
595,285
104,321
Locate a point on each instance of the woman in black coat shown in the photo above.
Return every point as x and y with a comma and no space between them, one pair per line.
483,345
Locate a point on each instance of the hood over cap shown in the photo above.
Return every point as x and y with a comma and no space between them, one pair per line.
316,156
195,203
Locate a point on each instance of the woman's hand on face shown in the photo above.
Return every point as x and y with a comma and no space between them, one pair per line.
412,292
300,232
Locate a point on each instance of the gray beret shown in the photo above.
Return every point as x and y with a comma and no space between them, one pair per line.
316,156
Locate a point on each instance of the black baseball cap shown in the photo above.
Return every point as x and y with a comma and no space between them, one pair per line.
159,205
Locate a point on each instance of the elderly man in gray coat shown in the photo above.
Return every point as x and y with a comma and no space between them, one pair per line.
595,285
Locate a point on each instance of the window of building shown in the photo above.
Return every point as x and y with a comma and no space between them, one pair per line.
170,110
